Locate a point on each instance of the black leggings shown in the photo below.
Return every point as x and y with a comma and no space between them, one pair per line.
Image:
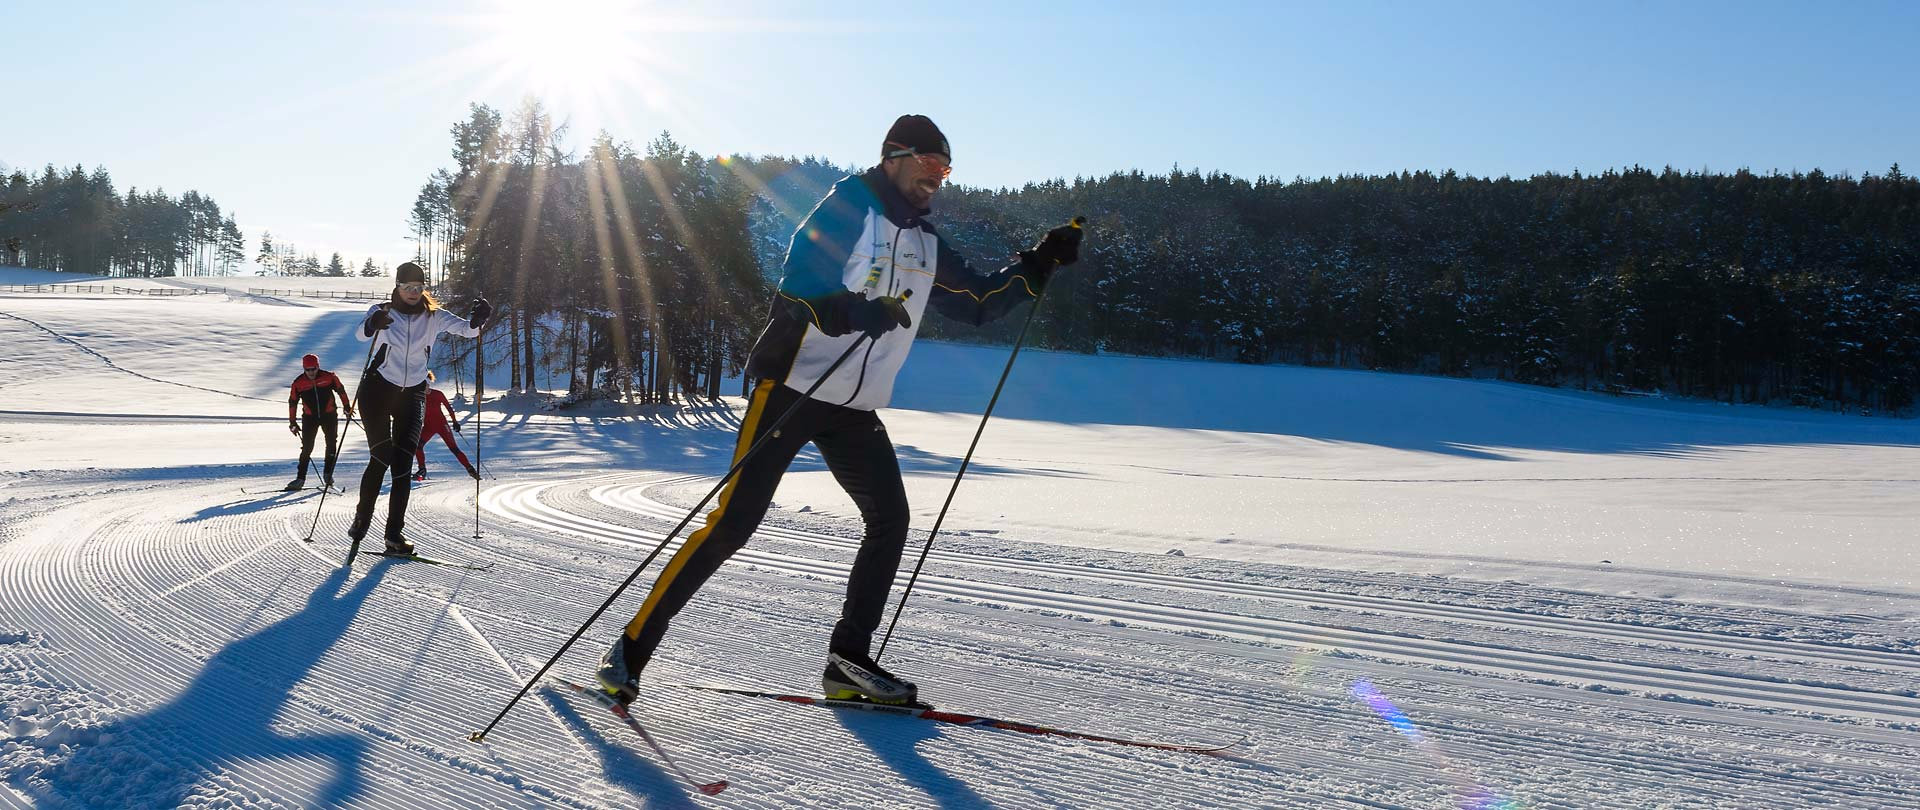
391,416
309,424
857,450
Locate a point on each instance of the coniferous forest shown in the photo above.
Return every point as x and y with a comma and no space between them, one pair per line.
644,273
1798,288
76,222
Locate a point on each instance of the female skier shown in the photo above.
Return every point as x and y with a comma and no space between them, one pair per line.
393,401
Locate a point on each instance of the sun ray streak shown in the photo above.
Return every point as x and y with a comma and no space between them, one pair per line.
599,168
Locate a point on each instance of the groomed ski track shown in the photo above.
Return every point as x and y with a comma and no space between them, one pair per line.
199,654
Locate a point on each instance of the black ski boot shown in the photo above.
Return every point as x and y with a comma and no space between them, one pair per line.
618,677
297,484
358,531
858,677
398,546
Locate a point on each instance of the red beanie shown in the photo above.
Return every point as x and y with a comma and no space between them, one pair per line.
310,361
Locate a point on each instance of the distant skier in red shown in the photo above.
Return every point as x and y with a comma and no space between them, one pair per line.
313,393
436,425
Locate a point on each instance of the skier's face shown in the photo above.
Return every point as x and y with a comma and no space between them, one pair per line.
311,373
918,176
410,292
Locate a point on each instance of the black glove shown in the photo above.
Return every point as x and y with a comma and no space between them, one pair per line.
481,312
878,316
456,426
1061,246
293,426
380,319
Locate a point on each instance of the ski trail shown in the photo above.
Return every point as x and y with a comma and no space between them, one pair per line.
209,574
117,367
522,502
1085,646
631,497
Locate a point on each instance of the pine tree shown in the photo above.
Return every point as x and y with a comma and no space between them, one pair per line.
268,258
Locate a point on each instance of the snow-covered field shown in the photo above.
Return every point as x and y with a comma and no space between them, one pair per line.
1400,591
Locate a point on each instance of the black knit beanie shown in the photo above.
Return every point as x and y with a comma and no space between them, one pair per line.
918,133
409,272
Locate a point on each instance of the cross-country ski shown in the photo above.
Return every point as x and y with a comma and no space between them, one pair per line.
924,712
429,560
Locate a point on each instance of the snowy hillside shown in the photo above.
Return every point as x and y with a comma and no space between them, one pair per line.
27,275
1392,591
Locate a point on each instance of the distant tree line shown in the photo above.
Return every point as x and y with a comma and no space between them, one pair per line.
1784,288
648,273
76,222
283,259
1800,288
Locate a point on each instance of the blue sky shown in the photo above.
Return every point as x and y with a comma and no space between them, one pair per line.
319,122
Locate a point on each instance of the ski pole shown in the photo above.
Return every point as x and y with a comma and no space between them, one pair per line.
1077,223
768,435
479,382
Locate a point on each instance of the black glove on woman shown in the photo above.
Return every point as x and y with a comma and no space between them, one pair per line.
380,319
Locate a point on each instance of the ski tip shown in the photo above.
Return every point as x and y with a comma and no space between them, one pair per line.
714,788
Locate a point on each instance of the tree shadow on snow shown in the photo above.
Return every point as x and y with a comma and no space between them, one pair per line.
227,714
895,741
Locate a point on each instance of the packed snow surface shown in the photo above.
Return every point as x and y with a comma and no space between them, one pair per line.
1394,591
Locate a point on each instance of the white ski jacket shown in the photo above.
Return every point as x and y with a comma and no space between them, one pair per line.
401,351
864,241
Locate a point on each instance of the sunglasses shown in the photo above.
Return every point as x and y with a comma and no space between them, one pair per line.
411,286
935,165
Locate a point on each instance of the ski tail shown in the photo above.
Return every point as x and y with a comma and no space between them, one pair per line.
606,701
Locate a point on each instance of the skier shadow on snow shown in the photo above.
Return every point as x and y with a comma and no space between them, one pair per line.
621,764
248,505
895,741
227,714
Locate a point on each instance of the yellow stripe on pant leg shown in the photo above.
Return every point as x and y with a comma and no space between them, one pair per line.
755,412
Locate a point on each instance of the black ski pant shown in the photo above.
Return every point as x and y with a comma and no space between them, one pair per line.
861,457
391,416
311,424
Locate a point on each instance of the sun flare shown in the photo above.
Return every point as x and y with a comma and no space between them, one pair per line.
576,52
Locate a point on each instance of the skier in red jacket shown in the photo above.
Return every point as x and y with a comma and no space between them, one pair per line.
313,393
436,424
